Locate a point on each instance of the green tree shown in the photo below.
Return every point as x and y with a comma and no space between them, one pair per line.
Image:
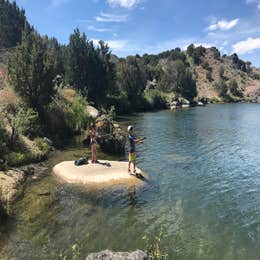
21,119
12,24
131,79
90,69
77,61
190,50
178,78
32,71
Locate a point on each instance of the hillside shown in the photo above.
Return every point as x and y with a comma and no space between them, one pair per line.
248,81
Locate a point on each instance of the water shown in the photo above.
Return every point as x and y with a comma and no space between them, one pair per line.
203,194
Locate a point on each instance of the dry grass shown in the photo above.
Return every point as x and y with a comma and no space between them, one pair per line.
68,93
7,96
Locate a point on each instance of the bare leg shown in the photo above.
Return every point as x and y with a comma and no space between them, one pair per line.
129,165
134,166
94,152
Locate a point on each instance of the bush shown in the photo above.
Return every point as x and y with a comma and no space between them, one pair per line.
221,87
234,89
76,114
209,76
23,120
154,99
43,146
214,100
205,65
21,158
221,72
120,103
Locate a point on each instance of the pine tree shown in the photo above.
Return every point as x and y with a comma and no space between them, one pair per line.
12,23
32,71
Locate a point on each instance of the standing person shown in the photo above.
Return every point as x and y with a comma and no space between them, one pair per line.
132,152
93,142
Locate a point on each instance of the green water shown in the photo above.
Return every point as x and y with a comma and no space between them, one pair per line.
203,194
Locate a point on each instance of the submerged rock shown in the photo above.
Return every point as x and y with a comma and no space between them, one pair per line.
109,255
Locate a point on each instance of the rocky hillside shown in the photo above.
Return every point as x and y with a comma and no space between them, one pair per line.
208,73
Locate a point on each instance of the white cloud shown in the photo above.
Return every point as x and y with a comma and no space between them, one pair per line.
123,3
204,44
95,29
223,25
106,18
115,45
246,46
257,2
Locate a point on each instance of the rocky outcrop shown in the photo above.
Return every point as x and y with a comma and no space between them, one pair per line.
151,85
109,255
110,136
178,102
12,184
92,111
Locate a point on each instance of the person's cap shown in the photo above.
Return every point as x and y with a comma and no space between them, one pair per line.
129,128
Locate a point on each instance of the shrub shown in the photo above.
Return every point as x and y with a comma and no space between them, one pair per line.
234,89
76,114
221,72
43,146
155,99
214,100
23,120
205,65
120,103
221,87
21,158
209,76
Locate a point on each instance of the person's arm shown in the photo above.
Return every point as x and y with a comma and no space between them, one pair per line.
139,140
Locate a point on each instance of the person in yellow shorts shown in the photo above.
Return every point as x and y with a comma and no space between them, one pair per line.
132,151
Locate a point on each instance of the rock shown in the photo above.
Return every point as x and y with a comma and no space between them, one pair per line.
103,173
11,186
177,102
200,104
151,85
111,139
203,100
92,111
109,255
48,141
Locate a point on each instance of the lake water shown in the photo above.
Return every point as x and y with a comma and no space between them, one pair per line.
202,199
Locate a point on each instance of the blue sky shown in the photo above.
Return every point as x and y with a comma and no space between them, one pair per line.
152,26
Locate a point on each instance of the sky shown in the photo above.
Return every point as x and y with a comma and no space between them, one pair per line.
152,26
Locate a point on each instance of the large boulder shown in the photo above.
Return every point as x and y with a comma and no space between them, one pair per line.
110,137
92,111
178,102
109,255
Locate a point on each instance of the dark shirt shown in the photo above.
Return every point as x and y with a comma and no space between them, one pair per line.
132,143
